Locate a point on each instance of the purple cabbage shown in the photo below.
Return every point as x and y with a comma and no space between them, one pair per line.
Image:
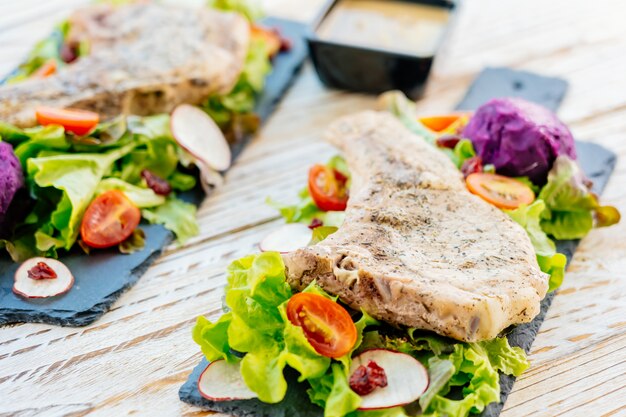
11,177
521,139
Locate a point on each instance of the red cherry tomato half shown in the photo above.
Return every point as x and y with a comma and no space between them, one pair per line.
79,122
328,188
503,192
439,123
109,220
326,325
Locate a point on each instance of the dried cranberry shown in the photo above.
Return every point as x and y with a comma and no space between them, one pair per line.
472,165
315,223
367,378
285,44
69,52
156,183
448,141
41,271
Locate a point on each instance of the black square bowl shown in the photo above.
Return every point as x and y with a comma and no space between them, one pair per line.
367,69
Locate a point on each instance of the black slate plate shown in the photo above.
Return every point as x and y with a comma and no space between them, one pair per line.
596,161
103,276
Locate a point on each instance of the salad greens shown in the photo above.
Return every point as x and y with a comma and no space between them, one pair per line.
305,210
257,327
63,177
48,49
234,112
550,262
65,172
572,210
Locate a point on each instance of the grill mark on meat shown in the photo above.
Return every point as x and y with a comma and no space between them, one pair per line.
416,248
144,59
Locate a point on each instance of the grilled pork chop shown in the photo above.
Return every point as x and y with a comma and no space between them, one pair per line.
416,248
144,59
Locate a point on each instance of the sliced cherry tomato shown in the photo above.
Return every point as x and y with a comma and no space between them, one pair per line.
270,36
327,187
503,192
327,326
109,220
48,68
79,122
439,123
448,123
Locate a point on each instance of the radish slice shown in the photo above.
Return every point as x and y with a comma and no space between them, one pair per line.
210,179
287,239
222,381
28,287
407,379
198,134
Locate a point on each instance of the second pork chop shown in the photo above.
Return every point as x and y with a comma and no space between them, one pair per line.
416,248
144,59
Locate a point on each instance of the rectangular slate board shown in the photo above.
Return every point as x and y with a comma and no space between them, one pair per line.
103,276
596,161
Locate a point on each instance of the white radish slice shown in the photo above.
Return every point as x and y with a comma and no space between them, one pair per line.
198,134
28,287
222,381
288,238
210,179
407,379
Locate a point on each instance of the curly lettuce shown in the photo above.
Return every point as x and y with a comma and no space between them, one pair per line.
550,262
256,327
64,174
572,209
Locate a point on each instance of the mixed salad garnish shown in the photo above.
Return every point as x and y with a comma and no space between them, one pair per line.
529,171
354,365
79,181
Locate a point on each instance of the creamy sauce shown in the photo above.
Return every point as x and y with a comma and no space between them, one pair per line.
405,27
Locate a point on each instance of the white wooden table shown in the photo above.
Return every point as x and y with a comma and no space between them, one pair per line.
133,360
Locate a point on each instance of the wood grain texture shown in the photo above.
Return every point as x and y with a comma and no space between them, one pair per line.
133,360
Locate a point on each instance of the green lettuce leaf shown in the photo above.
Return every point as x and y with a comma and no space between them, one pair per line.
141,197
322,232
387,412
233,112
550,262
42,138
175,215
250,9
572,210
213,338
256,325
462,151
440,371
400,106
12,134
182,182
476,371
76,176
